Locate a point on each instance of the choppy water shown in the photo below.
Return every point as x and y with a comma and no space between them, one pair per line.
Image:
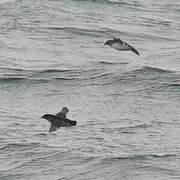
127,107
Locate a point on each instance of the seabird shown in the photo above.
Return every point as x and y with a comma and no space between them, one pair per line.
57,122
120,45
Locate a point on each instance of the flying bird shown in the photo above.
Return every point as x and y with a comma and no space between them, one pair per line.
120,45
57,122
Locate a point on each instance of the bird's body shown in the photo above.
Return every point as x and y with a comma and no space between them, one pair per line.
120,45
57,122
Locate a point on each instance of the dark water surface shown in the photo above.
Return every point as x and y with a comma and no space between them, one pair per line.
127,107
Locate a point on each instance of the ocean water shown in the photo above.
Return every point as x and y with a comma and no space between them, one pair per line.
52,54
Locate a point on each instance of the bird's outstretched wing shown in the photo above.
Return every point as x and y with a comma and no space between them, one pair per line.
117,40
132,48
53,128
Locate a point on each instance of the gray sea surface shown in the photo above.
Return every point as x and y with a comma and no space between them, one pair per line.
52,54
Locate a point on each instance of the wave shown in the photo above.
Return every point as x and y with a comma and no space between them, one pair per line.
126,3
95,33
145,69
49,79
114,2
33,70
10,79
16,146
169,123
140,157
174,85
80,31
144,74
102,71
46,75
128,129
12,69
139,126
112,63
54,70
109,33
22,80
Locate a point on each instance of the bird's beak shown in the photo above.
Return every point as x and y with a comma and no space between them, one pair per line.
43,116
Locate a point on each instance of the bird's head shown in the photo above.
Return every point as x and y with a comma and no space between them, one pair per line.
109,42
64,110
46,116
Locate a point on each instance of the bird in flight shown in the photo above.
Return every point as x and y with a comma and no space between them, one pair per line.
120,45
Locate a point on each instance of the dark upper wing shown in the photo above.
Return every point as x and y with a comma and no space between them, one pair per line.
58,121
67,122
135,51
51,118
117,40
132,49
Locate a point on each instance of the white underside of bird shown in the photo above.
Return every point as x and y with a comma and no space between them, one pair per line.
123,47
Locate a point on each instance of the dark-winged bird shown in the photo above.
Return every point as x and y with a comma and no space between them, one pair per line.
57,122
120,45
